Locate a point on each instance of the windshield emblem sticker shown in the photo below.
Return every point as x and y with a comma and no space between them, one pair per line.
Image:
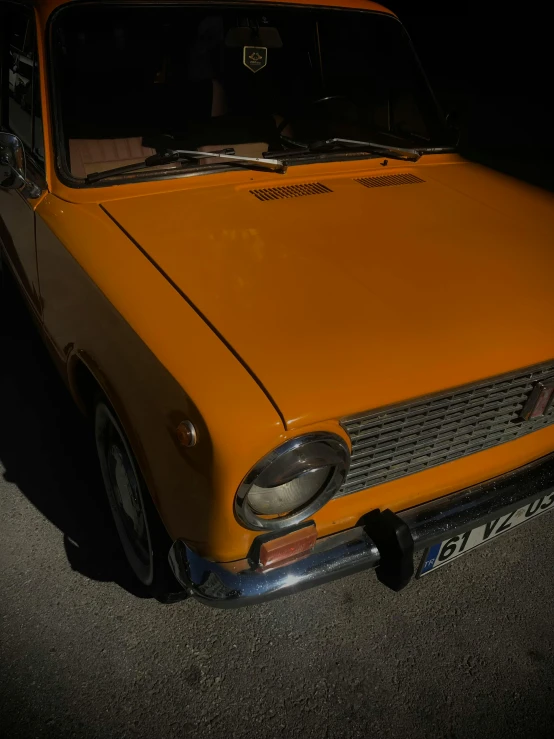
254,57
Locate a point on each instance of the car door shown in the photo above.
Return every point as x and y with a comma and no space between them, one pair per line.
20,114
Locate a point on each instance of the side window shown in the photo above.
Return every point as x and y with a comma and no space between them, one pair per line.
20,76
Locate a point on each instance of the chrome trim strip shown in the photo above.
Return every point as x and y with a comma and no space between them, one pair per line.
233,584
432,522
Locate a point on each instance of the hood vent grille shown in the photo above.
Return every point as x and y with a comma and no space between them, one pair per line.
389,179
290,191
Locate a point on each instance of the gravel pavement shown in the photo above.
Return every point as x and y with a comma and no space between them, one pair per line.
466,652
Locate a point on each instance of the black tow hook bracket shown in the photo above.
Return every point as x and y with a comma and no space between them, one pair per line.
393,539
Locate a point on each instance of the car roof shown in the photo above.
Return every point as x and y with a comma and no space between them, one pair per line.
47,6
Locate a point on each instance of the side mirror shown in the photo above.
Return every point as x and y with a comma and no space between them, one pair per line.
12,166
12,162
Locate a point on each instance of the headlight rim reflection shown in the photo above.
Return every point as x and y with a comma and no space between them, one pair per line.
321,480
326,449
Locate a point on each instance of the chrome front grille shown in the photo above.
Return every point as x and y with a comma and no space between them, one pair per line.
403,439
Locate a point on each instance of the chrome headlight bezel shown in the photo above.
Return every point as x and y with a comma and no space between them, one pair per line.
330,447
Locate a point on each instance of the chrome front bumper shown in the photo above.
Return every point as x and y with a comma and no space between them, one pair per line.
233,584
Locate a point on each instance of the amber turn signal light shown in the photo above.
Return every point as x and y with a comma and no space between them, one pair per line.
275,551
186,434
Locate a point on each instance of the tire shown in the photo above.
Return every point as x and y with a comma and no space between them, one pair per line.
143,537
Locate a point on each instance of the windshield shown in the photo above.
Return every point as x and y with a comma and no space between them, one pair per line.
133,81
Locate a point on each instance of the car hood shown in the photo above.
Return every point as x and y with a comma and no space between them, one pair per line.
341,297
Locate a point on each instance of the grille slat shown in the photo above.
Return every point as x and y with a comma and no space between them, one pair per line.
470,399
411,437
431,421
431,440
423,428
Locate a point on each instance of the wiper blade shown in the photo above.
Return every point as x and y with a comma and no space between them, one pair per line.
334,144
274,165
395,152
178,155
151,161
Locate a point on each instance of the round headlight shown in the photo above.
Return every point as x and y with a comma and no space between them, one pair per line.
293,481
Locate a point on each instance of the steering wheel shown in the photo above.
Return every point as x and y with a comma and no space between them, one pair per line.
300,108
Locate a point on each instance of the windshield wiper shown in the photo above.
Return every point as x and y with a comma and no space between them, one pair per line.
395,152
179,155
336,144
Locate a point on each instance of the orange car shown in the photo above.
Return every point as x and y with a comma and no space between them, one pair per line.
311,338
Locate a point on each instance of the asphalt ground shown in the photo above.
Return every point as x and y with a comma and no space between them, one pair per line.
465,652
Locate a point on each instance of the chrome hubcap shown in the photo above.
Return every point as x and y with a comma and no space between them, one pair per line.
125,496
124,485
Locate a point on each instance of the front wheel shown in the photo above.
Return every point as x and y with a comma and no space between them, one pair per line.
143,537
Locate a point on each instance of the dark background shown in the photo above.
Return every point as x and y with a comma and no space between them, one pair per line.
493,67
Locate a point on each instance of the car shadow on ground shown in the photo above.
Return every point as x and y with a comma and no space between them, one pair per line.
47,451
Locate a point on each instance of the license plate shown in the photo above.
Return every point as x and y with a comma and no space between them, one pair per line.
450,549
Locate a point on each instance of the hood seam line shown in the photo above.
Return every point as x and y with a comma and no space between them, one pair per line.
199,314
